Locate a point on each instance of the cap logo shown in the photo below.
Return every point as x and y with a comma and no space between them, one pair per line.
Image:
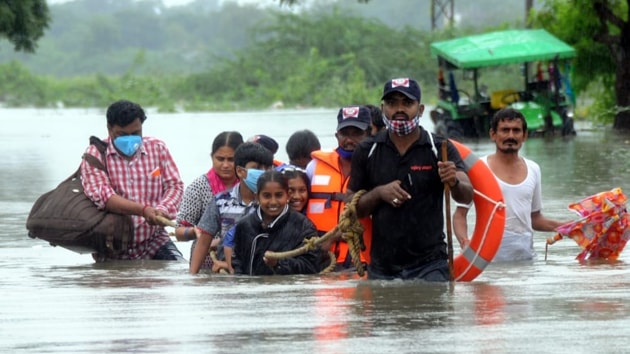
404,82
350,112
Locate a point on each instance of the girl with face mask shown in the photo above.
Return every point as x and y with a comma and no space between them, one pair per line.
212,231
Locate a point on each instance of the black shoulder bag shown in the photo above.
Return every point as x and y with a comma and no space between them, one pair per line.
66,217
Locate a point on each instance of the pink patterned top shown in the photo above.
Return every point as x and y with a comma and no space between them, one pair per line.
151,178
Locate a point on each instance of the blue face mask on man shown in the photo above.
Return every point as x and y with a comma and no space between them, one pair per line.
128,144
345,154
251,180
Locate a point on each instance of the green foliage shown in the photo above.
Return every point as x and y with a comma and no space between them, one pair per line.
602,109
18,87
104,36
324,60
22,22
294,2
570,21
577,23
317,59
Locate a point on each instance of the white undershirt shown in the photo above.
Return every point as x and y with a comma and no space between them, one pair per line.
521,200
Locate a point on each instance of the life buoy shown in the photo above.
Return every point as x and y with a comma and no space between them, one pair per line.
490,220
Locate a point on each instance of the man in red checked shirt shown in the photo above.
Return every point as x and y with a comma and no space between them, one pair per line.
142,180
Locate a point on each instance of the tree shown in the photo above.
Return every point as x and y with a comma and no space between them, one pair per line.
22,22
614,33
319,60
294,2
600,32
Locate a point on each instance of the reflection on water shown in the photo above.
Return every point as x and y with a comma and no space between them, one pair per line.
58,301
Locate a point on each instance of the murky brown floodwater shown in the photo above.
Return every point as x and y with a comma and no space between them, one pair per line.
54,300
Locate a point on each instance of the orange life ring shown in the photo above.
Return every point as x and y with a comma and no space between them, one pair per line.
490,221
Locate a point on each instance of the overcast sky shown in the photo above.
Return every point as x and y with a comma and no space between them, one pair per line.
166,2
184,2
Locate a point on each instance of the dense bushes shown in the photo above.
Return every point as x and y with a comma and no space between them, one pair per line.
327,60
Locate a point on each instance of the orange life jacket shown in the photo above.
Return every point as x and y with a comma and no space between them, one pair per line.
277,163
326,202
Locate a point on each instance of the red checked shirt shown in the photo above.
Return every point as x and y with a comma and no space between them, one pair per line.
149,178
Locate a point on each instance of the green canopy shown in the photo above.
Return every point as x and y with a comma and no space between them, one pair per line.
503,47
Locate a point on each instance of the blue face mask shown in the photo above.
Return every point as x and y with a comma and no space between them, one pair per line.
251,180
128,144
345,154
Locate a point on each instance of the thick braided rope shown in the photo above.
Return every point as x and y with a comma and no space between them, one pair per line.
331,265
215,259
165,221
351,230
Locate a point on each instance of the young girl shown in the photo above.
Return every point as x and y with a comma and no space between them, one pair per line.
299,186
274,227
229,207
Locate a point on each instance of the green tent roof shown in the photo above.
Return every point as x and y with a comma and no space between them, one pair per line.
500,48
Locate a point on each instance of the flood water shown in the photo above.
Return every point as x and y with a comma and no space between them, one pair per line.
57,301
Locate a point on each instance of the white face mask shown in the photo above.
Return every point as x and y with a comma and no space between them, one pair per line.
402,127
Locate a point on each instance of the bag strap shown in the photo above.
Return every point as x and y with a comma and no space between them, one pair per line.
100,144
102,147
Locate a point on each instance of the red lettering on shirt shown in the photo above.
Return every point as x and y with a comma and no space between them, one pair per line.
421,167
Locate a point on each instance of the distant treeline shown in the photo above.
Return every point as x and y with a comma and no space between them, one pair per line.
316,59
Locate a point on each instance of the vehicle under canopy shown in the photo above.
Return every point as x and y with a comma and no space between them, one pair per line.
544,96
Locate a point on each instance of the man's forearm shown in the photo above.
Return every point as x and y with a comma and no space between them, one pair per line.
368,202
120,205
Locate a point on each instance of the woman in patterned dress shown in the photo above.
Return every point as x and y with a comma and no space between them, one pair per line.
220,177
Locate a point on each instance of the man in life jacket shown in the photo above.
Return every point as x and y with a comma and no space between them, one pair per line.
329,172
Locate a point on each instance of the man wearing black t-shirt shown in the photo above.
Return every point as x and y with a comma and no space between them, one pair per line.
402,172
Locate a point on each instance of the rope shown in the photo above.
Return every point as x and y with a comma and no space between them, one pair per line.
497,206
308,245
164,221
215,259
331,266
351,232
